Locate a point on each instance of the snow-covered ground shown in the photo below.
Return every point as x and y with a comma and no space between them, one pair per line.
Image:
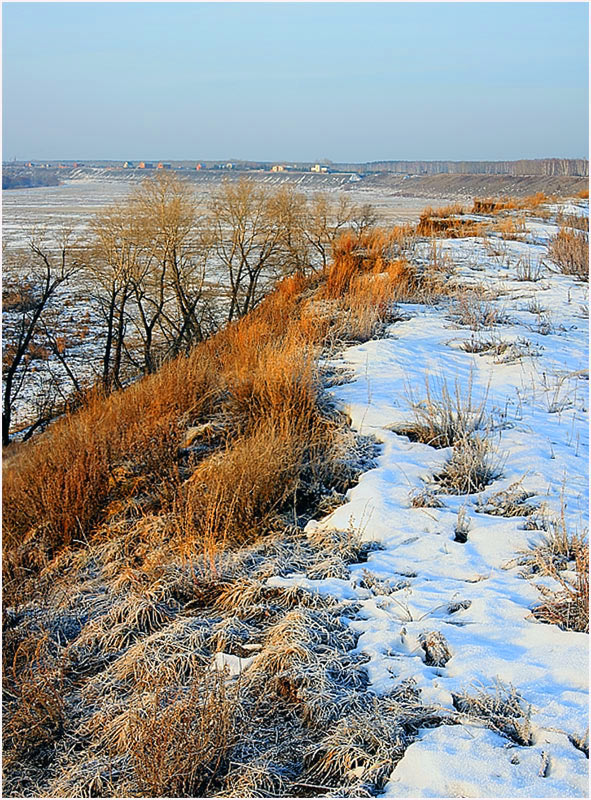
475,593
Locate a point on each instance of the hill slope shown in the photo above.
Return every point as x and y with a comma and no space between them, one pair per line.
214,586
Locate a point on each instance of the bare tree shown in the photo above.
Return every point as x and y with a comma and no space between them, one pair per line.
290,210
170,295
27,296
247,242
115,266
327,218
363,218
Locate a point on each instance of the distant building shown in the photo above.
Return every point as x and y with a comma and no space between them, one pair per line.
161,165
198,167
128,164
278,168
145,165
318,168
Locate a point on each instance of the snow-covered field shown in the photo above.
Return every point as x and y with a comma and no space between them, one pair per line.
534,390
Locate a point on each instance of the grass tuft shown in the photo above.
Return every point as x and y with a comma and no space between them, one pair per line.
448,223
567,606
180,743
471,467
502,712
443,418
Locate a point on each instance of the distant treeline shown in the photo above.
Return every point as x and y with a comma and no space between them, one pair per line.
538,166
29,178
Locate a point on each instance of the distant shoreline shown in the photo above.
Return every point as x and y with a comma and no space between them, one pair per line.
437,186
28,180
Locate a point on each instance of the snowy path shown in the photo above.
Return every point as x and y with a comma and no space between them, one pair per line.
537,400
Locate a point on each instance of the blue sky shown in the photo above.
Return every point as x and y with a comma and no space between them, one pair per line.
295,81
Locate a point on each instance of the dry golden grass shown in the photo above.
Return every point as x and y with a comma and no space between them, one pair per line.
257,376
510,228
33,702
569,250
373,253
492,205
579,222
568,605
447,222
56,490
535,200
235,495
452,210
351,256
271,380
371,300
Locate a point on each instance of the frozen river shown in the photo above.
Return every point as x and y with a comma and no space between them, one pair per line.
74,202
